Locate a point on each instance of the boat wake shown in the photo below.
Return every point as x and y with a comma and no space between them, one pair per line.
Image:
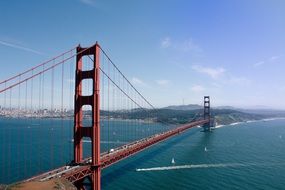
250,121
195,166
191,166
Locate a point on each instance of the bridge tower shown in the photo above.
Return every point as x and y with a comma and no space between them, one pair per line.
207,113
93,100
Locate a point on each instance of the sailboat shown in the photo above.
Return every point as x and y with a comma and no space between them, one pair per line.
172,161
206,149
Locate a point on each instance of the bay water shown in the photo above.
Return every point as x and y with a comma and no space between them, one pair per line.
242,156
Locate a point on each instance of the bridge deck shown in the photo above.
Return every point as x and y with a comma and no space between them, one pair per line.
78,172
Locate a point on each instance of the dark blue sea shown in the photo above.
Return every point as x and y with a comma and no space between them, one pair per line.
242,156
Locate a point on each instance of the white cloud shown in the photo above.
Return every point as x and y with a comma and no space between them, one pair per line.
185,46
273,58
189,45
259,64
221,76
162,82
267,61
166,42
13,45
197,88
137,81
212,72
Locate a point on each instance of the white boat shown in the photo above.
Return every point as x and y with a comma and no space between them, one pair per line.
172,161
206,149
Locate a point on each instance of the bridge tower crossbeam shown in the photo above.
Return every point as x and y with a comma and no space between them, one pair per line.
93,131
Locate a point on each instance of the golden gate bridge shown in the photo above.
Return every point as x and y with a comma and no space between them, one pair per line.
76,114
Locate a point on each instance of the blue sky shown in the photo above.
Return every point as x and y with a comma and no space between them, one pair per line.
172,50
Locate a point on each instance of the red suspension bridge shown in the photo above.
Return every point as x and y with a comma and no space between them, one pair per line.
59,124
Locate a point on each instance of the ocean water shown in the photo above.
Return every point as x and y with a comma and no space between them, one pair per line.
242,156
32,146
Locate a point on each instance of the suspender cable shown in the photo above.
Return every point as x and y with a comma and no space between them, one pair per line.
61,145
36,67
71,79
108,108
52,114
